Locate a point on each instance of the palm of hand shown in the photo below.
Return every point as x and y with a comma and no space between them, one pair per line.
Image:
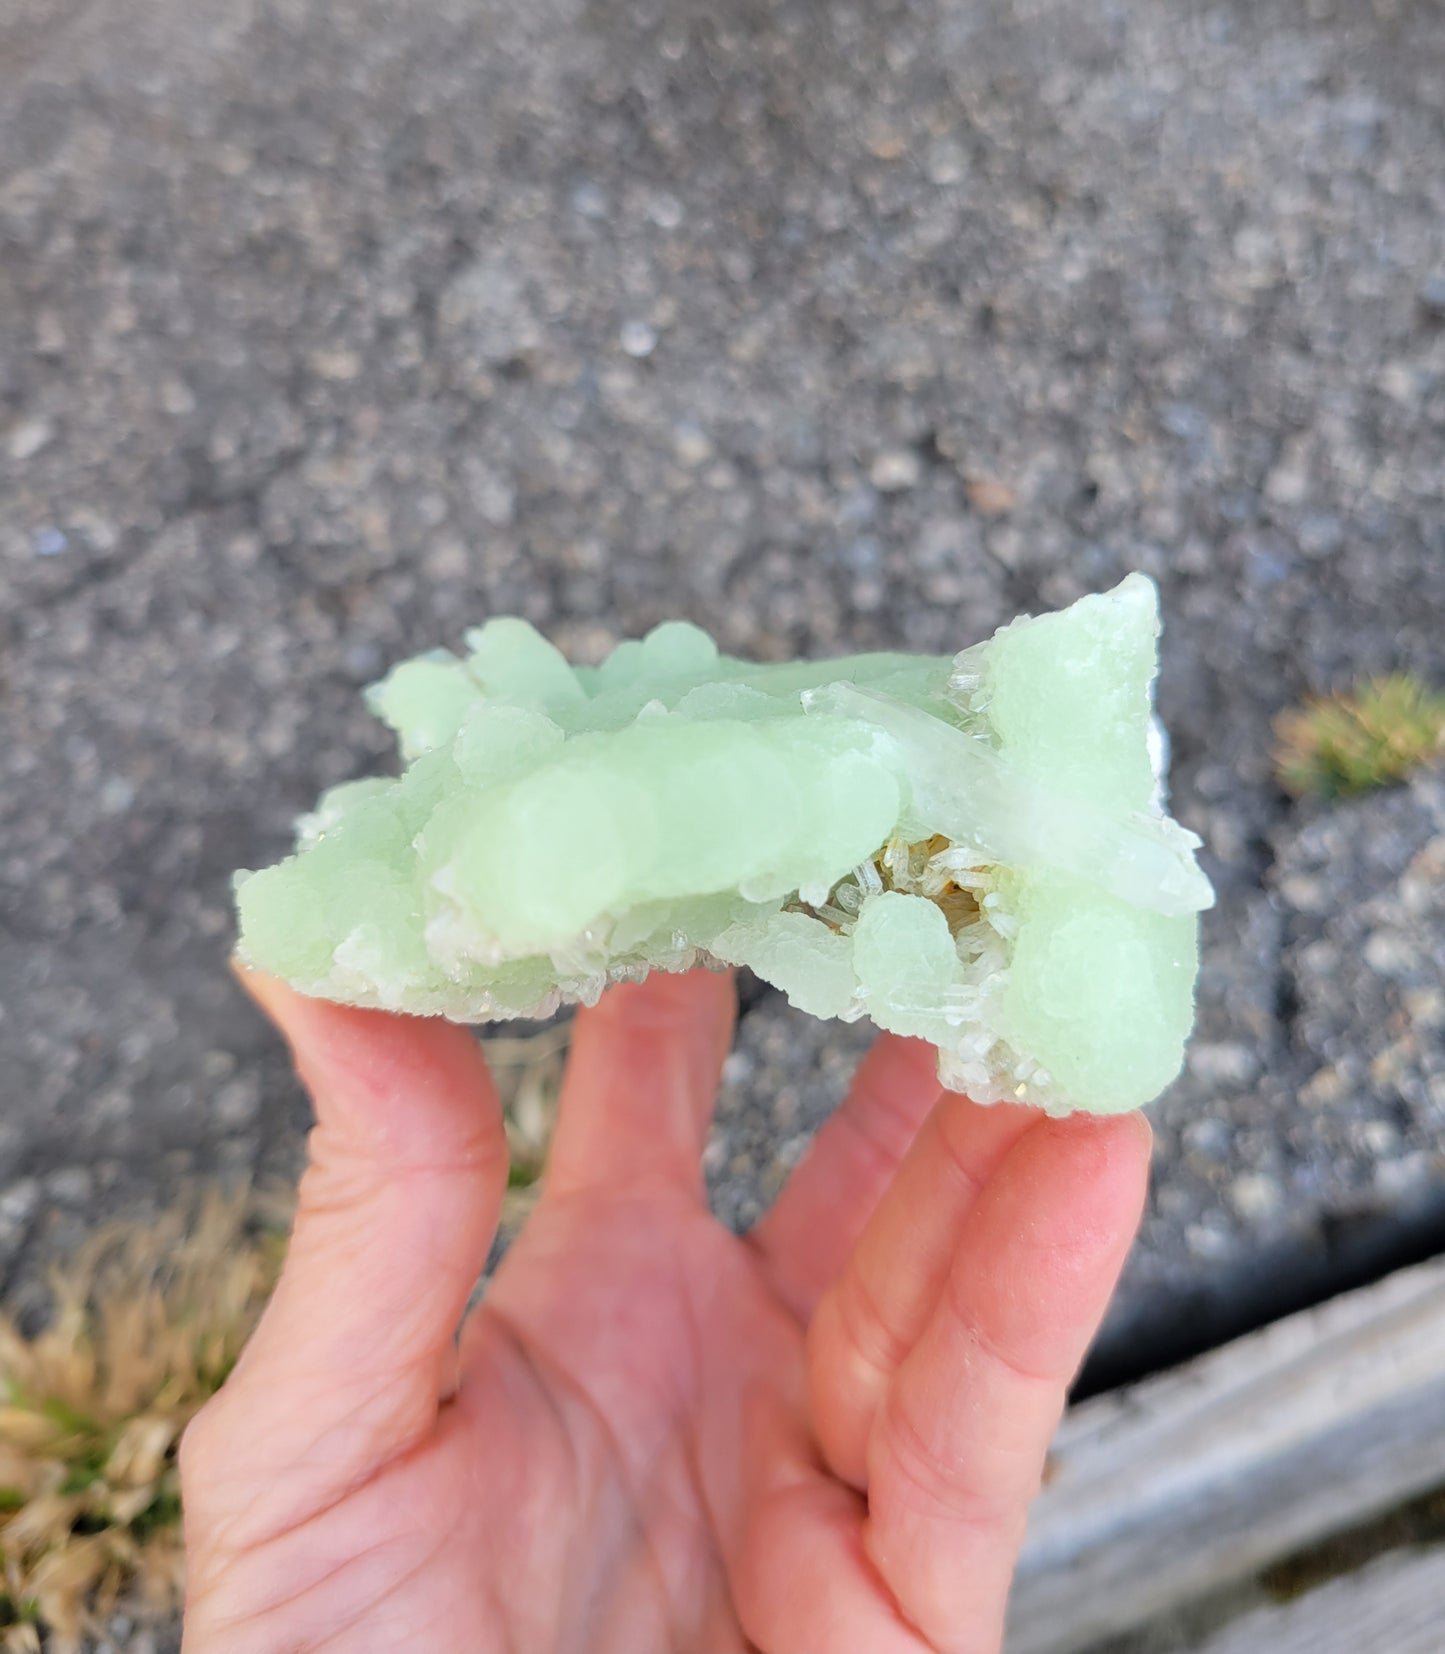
653,1434
606,1388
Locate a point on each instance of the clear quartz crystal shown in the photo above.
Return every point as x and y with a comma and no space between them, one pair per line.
973,851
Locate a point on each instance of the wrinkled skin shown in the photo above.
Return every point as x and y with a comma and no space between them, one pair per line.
652,1434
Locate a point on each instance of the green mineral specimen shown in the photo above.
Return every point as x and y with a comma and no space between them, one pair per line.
970,850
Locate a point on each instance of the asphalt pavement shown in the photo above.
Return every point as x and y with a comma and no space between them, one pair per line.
329,330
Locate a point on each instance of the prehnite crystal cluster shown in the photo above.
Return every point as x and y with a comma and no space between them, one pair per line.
970,850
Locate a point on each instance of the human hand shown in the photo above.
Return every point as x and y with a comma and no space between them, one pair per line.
651,1434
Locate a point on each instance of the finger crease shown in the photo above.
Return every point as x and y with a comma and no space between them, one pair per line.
940,1487
879,1345
991,1349
890,1126
955,1158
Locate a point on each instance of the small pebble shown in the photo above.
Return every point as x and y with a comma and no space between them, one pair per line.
1207,1137
1255,1196
1425,1007
665,210
1325,1086
947,162
737,1068
1408,1175
638,338
1319,534
895,470
1392,1065
116,795
864,555
885,142
238,1102
990,497
1224,1063
868,592
339,365
18,1205
1379,1137
49,334
1387,953
1306,894
1289,482
588,201
70,1186
28,438
1207,1242
691,444
176,398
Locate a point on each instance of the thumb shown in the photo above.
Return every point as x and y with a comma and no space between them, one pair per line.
396,1213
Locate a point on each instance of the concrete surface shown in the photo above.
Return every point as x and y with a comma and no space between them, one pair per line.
326,330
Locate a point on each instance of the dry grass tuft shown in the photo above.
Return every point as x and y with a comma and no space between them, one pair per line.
1383,731
147,1321
528,1071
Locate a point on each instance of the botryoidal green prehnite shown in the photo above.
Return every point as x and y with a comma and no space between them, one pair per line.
972,850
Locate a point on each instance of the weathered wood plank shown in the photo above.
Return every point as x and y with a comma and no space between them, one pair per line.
1184,1483
1396,1605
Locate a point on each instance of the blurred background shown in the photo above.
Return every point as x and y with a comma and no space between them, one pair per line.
329,330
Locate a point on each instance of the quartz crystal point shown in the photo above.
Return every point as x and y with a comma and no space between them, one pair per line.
973,850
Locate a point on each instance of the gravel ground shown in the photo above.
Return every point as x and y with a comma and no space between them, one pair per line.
328,330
